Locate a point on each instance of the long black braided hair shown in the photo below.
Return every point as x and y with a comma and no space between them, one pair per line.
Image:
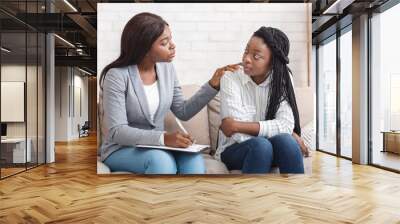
281,86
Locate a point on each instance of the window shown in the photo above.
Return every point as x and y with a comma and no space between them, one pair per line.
327,96
385,89
346,93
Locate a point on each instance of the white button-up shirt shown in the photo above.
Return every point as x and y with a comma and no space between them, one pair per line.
243,100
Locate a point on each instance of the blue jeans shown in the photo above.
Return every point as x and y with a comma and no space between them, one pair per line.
155,161
258,154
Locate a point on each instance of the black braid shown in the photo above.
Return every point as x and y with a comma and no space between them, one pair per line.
281,87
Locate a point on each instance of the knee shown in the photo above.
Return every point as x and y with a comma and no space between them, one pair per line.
199,164
284,139
197,159
261,146
191,164
160,162
286,144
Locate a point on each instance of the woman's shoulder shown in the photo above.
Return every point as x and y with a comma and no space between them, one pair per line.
121,71
116,76
233,77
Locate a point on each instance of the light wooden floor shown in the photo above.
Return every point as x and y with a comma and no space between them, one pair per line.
5,172
10,171
69,191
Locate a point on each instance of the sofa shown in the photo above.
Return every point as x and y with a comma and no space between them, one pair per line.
204,128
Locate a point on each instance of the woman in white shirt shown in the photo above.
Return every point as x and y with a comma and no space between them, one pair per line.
259,111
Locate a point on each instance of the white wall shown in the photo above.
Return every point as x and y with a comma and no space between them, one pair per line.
81,83
209,36
67,80
61,103
16,72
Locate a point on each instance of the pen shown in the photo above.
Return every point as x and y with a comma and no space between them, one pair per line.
183,128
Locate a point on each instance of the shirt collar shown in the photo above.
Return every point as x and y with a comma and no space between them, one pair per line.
246,79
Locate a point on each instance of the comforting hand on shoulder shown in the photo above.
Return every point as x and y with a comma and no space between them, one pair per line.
216,79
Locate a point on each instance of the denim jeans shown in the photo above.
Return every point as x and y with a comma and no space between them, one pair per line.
258,154
155,161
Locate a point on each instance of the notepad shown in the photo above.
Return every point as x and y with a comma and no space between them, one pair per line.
193,148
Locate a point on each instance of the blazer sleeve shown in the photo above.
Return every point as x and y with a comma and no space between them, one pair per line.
116,122
186,109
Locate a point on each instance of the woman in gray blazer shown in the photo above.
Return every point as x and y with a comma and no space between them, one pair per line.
138,89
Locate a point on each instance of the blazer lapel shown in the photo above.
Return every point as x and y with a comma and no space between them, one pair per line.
161,91
139,90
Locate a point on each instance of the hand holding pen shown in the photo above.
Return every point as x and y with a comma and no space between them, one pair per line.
177,139
184,130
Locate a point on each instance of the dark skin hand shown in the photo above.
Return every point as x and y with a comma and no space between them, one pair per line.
178,140
304,149
216,79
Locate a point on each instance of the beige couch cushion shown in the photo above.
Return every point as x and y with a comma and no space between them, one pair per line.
214,166
305,104
214,121
308,134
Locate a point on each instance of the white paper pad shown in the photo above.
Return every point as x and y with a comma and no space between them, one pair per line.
192,148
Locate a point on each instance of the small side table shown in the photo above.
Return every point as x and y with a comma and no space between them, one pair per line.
391,141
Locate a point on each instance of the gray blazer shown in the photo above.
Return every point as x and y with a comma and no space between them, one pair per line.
126,119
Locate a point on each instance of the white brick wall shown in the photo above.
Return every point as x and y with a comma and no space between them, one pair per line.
211,35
